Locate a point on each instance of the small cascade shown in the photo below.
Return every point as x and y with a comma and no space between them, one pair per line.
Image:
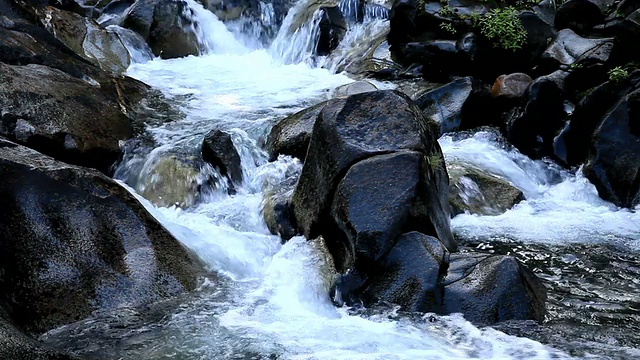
359,44
352,10
212,34
298,36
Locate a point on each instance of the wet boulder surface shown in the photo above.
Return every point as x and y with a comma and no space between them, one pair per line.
74,241
58,103
375,186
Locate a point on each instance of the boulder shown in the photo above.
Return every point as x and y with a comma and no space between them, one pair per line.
171,179
613,164
76,121
511,86
533,129
454,106
580,15
87,39
569,48
350,130
492,288
475,191
291,135
164,25
381,197
440,59
572,145
16,345
73,241
226,10
219,151
332,29
411,274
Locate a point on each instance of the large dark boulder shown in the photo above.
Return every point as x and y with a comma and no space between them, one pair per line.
291,135
492,288
580,15
613,164
163,24
73,241
411,274
533,129
350,130
383,196
569,48
219,151
16,345
70,119
573,143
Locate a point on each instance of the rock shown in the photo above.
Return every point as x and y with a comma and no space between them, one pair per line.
70,119
475,191
613,165
16,345
381,197
277,214
87,39
511,86
580,15
411,274
353,129
73,241
440,59
533,129
353,88
291,135
226,10
569,48
454,106
332,29
163,24
401,27
492,288
572,145
171,180
219,151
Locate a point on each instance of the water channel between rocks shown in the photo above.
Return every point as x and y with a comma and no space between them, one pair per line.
271,300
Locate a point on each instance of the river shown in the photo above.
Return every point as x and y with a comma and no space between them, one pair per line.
270,300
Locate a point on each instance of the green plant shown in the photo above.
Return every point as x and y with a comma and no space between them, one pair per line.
618,74
575,66
435,161
447,11
503,27
447,27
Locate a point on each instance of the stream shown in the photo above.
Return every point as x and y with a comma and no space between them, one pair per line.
270,301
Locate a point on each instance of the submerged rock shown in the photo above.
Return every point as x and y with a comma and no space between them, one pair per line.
277,214
73,241
171,180
16,345
492,288
474,191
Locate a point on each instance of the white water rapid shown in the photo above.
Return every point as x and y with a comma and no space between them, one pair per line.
271,300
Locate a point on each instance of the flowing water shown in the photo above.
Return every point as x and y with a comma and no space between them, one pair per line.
270,301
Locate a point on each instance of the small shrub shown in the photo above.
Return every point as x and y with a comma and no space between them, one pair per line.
448,27
618,74
503,27
446,11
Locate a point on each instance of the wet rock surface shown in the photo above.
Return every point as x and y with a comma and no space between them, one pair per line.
74,242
